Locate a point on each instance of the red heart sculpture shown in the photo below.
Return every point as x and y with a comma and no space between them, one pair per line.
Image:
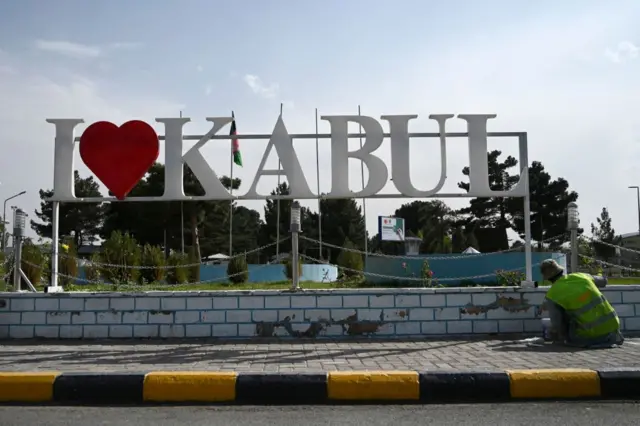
119,156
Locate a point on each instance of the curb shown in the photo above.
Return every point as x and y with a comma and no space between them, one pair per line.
317,388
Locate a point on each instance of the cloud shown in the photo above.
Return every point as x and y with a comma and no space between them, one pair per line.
66,48
625,51
259,88
199,68
208,89
81,51
37,96
125,46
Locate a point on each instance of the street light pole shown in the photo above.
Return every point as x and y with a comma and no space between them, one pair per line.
4,218
295,229
573,222
637,188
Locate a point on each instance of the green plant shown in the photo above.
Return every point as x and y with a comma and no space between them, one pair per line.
91,269
3,265
34,262
592,266
288,268
195,262
509,278
122,252
153,259
427,275
350,262
67,263
178,272
238,270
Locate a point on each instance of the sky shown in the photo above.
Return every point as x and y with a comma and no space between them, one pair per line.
567,73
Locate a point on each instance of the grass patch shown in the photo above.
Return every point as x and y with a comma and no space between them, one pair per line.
624,281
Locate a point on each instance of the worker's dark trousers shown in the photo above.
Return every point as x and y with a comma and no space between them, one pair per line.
565,328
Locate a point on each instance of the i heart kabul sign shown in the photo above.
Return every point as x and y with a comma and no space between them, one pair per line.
119,156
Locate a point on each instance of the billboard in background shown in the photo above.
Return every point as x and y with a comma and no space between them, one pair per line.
391,228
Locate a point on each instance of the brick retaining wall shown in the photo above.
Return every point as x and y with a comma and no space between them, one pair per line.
266,313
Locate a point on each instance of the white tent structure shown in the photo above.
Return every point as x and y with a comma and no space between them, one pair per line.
217,258
470,250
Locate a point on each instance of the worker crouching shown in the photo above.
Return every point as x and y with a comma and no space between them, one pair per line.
580,314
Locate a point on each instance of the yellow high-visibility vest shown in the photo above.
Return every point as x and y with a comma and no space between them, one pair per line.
583,301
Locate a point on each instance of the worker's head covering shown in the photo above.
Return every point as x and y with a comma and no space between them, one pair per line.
550,268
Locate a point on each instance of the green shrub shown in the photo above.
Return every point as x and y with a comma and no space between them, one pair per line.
34,262
509,278
194,270
91,268
67,263
351,262
238,270
121,250
288,268
178,272
153,259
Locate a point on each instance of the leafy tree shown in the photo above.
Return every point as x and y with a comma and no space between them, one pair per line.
246,231
342,221
386,247
92,268
122,250
34,262
84,220
350,261
6,236
462,238
492,212
604,232
433,221
206,223
437,228
269,230
549,200
68,262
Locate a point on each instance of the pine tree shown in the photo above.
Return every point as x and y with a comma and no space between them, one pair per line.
492,212
549,200
604,232
84,220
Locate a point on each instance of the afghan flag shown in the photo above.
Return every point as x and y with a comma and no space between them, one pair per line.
237,156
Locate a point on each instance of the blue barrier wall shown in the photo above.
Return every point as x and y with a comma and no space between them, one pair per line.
261,273
272,273
444,266
459,266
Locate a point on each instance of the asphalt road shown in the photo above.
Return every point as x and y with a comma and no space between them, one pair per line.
526,414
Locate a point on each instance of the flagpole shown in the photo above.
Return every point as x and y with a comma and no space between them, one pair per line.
231,200
364,203
182,217
319,197
278,206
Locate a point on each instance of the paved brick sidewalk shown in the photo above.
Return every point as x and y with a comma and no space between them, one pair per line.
307,356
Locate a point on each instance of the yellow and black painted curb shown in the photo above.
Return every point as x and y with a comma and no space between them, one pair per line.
317,388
